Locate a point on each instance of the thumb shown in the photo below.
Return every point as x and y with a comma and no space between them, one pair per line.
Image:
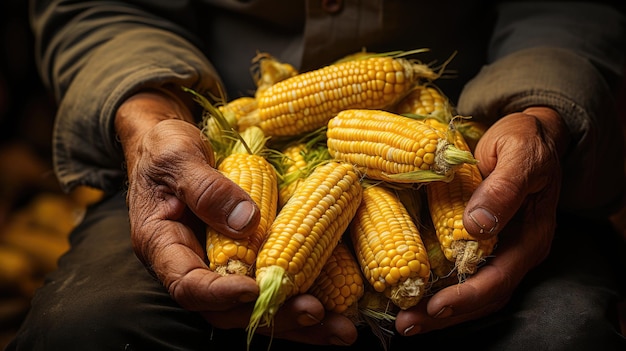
505,162
211,196
221,203
493,204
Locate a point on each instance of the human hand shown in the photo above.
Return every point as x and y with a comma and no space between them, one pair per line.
517,200
173,190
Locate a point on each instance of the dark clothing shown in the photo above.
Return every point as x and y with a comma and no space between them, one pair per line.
568,56
510,55
102,298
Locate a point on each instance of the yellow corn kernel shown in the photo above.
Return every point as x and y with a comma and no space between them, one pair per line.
390,147
254,174
339,286
307,101
389,247
302,237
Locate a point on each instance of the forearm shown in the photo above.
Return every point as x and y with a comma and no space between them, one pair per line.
567,78
94,59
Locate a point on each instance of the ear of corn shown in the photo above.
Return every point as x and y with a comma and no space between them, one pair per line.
447,201
340,284
428,103
426,100
235,109
298,160
394,148
267,71
307,101
303,236
442,269
248,168
389,247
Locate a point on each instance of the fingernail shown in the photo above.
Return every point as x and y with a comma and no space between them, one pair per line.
412,330
241,215
334,340
445,312
307,319
484,219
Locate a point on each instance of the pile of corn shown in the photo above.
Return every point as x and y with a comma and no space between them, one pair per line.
361,173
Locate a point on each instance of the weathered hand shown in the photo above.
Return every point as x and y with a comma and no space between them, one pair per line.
173,190
519,158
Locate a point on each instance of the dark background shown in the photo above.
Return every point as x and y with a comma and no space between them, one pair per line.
35,216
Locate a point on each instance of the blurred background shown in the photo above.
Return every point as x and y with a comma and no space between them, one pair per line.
35,216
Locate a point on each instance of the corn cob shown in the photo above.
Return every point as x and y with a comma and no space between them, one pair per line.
339,286
267,71
307,101
389,248
442,270
394,148
235,109
302,237
298,161
425,100
294,173
447,202
254,174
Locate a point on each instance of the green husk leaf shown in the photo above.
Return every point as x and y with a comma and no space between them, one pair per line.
271,296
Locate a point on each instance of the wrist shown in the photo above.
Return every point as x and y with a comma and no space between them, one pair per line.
144,110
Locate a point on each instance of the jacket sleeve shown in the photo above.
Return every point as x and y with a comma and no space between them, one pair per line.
93,55
569,57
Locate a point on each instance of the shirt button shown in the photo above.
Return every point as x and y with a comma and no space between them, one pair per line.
332,6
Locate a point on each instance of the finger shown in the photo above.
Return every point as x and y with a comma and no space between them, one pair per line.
509,155
522,246
302,319
476,297
334,329
186,276
297,312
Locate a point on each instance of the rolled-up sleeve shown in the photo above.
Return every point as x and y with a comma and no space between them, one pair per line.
568,56
93,56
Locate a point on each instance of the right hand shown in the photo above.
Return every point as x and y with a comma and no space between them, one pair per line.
173,191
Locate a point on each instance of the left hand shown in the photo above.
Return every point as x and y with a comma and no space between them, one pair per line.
519,158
